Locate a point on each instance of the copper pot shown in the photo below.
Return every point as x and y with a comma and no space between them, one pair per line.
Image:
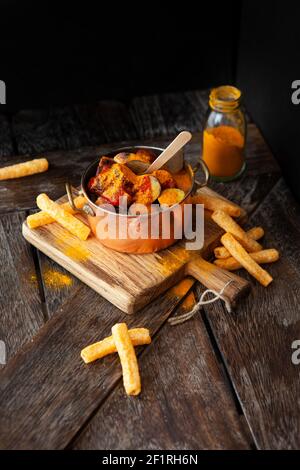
124,236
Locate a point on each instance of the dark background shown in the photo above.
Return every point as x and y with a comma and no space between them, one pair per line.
58,53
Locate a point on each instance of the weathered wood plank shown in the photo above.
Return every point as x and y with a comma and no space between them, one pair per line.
185,401
20,307
6,145
262,173
63,165
47,393
131,281
56,284
282,221
256,341
39,130
21,193
168,114
249,191
71,127
105,121
252,189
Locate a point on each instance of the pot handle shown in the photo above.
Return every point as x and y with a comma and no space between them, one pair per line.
201,164
86,209
215,278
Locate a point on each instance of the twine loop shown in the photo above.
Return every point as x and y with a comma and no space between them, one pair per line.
217,295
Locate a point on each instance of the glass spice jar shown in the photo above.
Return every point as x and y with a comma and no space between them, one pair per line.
224,135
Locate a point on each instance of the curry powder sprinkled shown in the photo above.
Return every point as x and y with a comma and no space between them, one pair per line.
77,253
173,259
33,279
189,302
56,279
53,279
180,289
72,248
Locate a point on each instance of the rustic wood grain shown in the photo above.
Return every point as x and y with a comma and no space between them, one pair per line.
105,121
184,404
21,193
169,113
71,127
262,173
217,280
20,307
149,117
52,289
55,294
256,341
40,130
47,392
131,281
6,144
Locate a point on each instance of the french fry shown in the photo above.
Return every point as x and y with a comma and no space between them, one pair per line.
213,203
42,218
39,165
256,233
138,337
244,258
261,257
229,225
130,368
68,221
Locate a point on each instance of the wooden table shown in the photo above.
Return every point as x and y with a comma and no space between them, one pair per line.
219,381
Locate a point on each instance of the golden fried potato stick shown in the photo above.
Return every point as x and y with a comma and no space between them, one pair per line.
244,258
213,203
68,221
42,218
261,257
130,368
138,337
39,165
256,233
229,225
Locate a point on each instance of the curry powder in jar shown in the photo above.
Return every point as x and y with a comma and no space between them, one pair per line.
224,135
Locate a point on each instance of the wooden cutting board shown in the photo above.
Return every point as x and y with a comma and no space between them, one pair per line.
132,281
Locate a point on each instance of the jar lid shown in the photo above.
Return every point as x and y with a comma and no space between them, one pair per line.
225,98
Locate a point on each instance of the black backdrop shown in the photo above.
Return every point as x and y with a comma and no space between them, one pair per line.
268,63
63,52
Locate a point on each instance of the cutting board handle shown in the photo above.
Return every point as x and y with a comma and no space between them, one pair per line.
215,278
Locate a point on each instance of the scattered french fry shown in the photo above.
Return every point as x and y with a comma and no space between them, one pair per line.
241,255
213,203
42,218
229,225
39,165
256,233
131,375
261,257
68,221
138,337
